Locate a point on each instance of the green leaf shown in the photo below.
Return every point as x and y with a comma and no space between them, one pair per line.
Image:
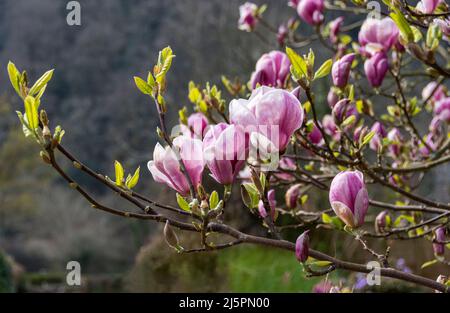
182,203
250,195
194,93
165,62
25,128
298,65
320,263
41,83
132,182
14,76
404,217
429,263
326,218
263,180
261,9
119,173
31,113
213,200
367,138
416,33
58,134
434,34
145,88
345,39
151,80
303,199
402,25
351,92
324,69
311,58
182,116
348,121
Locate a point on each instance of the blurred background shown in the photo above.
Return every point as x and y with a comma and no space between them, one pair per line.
44,224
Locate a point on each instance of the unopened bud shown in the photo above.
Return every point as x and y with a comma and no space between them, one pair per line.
292,195
302,247
171,238
43,117
160,133
201,192
439,245
46,133
45,157
261,209
382,222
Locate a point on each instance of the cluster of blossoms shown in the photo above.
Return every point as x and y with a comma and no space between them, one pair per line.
270,115
273,113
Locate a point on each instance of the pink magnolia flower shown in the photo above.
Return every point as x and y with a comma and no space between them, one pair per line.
224,151
377,140
376,68
349,198
341,70
439,92
442,109
273,113
197,124
395,138
302,247
248,19
335,26
378,35
165,167
311,11
428,6
272,70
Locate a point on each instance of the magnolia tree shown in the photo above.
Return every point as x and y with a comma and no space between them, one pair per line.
270,141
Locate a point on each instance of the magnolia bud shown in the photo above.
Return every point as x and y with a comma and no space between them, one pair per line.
45,157
439,246
261,209
382,222
43,117
170,237
292,195
349,198
302,247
